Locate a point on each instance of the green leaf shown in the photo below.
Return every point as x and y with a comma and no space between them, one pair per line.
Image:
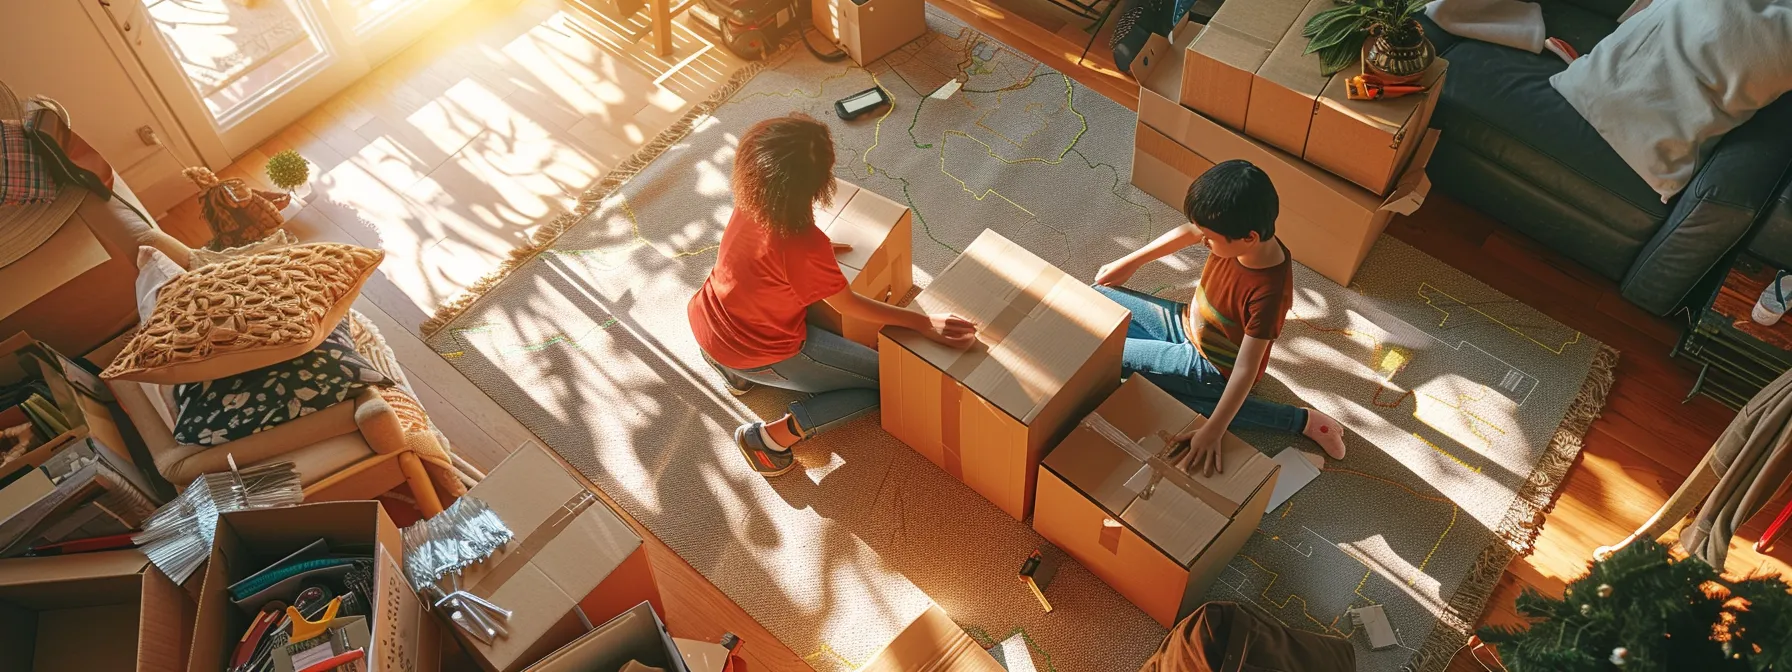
1327,41
1338,57
1322,20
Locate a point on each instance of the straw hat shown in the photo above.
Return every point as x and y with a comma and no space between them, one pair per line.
24,227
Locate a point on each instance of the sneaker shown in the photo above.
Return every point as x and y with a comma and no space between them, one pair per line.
761,457
731,381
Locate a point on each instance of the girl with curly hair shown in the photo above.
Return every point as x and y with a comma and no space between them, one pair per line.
751,315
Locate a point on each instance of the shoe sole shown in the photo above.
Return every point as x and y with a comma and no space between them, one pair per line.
740,444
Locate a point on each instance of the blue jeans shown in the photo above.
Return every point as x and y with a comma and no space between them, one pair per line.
839,374
1158,348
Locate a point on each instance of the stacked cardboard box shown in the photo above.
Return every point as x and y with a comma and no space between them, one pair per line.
1159,536
92,611
880,264
1047,351
1247,70
1328,223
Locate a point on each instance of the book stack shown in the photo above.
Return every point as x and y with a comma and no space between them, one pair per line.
65,474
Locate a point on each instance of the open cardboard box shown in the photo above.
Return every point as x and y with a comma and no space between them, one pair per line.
1048,350
91,612
932,643
880,264
635,635
82,397
1328,223
1159,543
573,561
404,638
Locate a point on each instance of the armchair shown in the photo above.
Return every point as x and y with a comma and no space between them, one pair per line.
357,449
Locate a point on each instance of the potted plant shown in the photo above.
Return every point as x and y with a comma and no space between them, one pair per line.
289,172
1385,33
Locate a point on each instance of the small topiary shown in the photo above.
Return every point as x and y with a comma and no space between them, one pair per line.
287,170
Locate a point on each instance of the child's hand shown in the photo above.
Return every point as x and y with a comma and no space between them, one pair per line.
951,330
1115,273
1203,452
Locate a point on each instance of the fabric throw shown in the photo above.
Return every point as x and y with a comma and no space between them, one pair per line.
1510,23
1666,86
274,241
24,177
219,411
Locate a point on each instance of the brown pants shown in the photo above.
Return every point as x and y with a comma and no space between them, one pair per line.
1227,637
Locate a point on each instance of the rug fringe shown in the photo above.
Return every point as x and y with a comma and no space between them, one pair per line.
1523,520
544,237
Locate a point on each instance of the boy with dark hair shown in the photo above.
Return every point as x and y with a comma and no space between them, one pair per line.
1209,355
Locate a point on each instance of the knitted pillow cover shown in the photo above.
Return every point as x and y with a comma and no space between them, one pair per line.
246,313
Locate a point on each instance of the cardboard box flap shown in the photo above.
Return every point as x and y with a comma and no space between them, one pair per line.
1288,64
864,223
932,643
1242,34
1414,185
843,192
1159,63
561,527
1036,325
108,564
1388,115
1176,521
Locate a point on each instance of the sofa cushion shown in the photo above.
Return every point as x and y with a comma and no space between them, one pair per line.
1773,242
1498,103
1604,9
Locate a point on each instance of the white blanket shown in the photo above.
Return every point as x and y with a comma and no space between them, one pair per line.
1510,23
1670,82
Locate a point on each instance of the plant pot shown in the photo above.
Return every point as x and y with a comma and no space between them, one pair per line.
1398,63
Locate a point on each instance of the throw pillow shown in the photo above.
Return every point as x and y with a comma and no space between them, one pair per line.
273,242
1667,85
245,313
154,269
233,407
24,177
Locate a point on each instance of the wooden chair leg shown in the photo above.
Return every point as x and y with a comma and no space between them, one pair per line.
423,489
1692,491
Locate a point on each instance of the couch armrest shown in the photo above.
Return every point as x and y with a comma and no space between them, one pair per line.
1724,201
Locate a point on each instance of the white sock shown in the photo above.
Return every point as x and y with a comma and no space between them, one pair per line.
770,442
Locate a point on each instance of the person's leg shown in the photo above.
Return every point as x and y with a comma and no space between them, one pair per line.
1153,318
839,373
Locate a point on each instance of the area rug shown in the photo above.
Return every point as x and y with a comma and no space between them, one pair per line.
1465,407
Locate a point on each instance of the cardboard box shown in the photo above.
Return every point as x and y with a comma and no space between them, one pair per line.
1159,545
1285,90
1370,142
1047,351
868,31
1222,61
404,638
1328,223
91,611
566,555
932,643
880,264
636,635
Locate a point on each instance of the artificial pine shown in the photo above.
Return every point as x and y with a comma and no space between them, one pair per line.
1641,609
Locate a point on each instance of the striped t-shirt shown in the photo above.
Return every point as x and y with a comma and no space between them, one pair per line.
1233,301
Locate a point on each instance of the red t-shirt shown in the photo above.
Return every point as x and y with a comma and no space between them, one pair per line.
753,309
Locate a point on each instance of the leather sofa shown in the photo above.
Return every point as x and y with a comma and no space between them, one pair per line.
1515,150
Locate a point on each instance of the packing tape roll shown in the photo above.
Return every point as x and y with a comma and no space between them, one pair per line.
532,543
951,395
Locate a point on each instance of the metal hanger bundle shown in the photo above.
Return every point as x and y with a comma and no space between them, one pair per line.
178,537
437,549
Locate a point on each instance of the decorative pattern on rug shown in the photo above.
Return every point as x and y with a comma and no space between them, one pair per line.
1466,407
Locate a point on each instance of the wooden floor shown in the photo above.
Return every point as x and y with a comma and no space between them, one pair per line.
457,150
